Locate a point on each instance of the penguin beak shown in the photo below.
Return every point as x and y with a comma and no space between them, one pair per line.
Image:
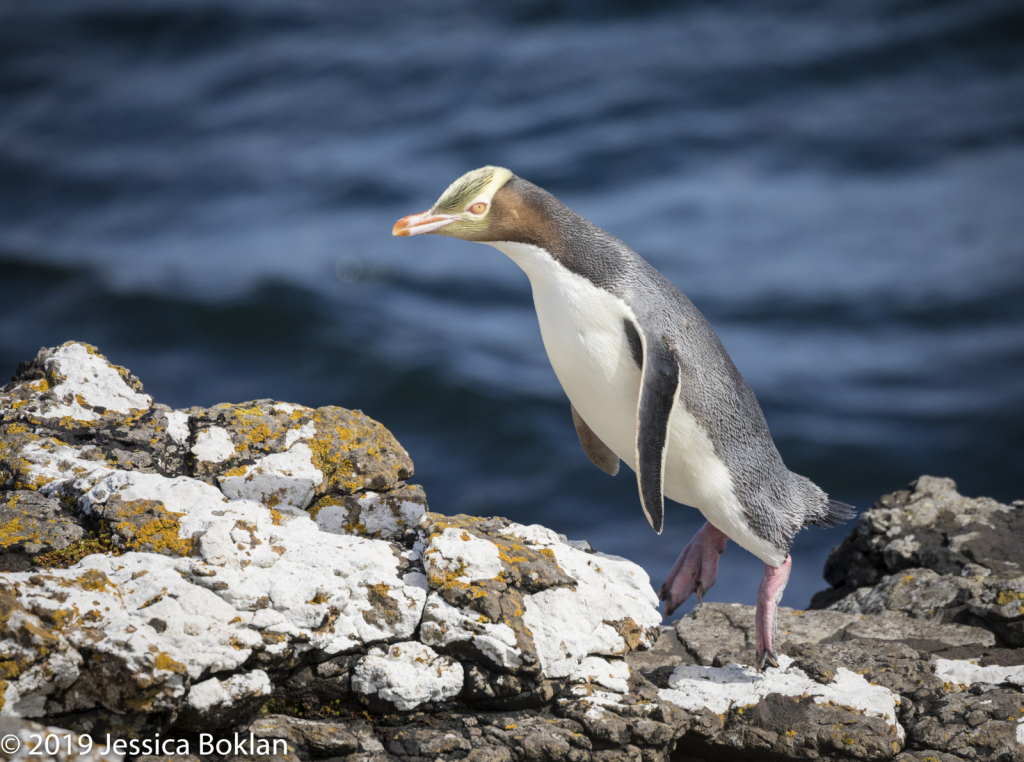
424,222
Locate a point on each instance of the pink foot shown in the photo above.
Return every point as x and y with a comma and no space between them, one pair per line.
766,624
695,570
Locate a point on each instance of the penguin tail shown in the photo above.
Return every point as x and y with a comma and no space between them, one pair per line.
835,513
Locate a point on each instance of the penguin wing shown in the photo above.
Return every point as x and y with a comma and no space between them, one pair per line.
599,453
659,392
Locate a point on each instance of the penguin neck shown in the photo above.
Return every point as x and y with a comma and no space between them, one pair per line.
537,262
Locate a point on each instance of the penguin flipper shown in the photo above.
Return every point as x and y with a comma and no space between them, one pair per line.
659,392
598,452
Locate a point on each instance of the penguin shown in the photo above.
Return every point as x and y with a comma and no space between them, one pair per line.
649,384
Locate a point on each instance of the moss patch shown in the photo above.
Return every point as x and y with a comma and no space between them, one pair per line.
101,542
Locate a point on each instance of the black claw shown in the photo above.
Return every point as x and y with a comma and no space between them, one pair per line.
769,657
700,593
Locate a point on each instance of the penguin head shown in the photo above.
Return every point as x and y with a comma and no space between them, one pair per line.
464,210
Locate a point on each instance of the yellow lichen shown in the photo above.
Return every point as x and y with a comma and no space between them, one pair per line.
1008,596
164,662
159,534
323,503
12,533
94,580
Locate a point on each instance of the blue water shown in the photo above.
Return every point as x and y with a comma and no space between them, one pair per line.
205,190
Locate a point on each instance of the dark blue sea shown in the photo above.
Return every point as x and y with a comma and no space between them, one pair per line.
205,190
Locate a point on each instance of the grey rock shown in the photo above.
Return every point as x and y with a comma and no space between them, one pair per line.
924,634
981,727
919,593
717,632
352,451
32,524
315,685
320,738
656,664
926,573
789,727
898,667
933,554
928,755
392,515
930,525
21,742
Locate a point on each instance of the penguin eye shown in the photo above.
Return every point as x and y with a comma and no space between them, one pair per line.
478,208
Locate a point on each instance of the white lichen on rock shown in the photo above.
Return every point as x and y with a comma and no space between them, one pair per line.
53,466
177,426
384,516
445,626
287,478
612,674
334,593
213,445
214,694
723,689
87,380
455,553
407,675
568,625
967,673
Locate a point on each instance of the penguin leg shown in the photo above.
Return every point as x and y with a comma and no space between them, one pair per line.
695,569
766,624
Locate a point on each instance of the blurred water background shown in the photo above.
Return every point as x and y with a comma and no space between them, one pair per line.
205,190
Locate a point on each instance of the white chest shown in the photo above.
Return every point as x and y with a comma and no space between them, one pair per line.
584,334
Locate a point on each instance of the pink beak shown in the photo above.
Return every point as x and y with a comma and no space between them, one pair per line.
424,222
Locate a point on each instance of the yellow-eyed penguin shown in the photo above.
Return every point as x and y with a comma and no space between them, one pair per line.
649,383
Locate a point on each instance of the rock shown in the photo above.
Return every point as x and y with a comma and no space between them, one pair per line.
331,592
979,726
932,526
320,684
932,553
966,673
73,387
276,452
269,557
208,582
788,710
520,599
929,755
27,741
712,631
393,515
406,675
32,524
920,593
42,462
324,739
216,703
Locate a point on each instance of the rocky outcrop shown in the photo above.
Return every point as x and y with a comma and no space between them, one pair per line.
262,578
934,554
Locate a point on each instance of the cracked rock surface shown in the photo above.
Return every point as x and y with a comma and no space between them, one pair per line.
266,569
